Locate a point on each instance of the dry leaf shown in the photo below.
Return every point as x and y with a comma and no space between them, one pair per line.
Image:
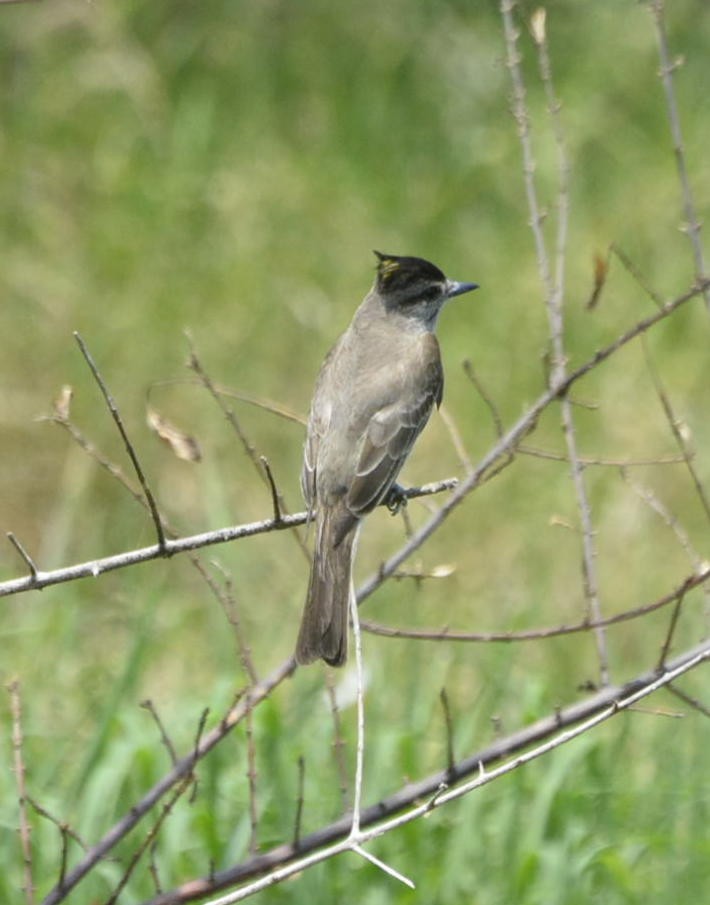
601,269
63,402
183,445
537,25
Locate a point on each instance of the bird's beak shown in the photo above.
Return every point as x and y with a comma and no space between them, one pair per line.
453,288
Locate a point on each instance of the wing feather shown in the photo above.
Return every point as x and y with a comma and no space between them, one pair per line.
390,436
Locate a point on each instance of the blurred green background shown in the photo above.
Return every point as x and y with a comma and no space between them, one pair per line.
227,168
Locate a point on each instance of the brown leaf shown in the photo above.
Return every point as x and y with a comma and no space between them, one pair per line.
63,402
601,270
183,445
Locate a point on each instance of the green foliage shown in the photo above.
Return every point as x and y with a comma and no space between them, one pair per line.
227,168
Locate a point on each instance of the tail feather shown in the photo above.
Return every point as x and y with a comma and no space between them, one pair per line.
324,627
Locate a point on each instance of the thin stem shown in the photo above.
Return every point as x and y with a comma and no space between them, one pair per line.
692,224
127,443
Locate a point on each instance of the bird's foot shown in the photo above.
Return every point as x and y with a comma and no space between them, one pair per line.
396,498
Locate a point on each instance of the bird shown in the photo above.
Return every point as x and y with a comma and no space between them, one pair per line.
373,396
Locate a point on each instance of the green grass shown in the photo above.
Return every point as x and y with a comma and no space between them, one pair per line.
228,168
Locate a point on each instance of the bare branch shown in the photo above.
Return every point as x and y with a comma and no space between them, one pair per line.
275,496
631,268
554,288
19,768
692,224
126,442
689,700
300,797
669,634
66,833
251,781
94,568
697,579
676,429
164,737
26,558
604,462
448,723
338,740
256,460
470,372
456,439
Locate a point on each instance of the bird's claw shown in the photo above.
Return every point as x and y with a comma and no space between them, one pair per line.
396,498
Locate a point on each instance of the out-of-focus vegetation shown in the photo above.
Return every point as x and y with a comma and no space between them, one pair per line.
227,168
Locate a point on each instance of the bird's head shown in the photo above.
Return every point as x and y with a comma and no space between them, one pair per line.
415,287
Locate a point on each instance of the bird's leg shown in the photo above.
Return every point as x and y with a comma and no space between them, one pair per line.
396,498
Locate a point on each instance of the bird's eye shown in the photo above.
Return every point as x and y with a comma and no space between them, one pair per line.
431,293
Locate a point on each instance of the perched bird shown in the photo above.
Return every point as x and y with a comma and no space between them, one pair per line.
373,396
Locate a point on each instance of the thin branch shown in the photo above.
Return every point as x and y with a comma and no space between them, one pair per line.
127,443
251,780
25,829
300,798
697,579
65,833
360,746
257,461
449,726
555,301
651,500
487,399
275,496
676,429
385,868
94,568
454,433
668,640
692,224
164,737
228,601
338,740
689,700
26,558
635,272
150,837
266,405
591,461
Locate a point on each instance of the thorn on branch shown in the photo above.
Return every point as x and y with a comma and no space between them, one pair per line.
29,562
448,723
274,492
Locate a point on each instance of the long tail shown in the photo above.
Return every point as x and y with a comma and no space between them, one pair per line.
324,627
